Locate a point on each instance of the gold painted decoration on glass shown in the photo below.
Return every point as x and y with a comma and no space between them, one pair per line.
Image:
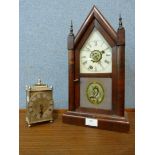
95,93
96,54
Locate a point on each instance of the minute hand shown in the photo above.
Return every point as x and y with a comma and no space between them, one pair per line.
103,51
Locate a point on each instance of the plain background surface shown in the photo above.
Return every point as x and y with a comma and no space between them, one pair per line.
44,26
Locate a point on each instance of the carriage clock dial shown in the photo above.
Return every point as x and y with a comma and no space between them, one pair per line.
96,55
40,105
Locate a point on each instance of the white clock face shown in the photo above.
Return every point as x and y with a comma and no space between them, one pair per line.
96,55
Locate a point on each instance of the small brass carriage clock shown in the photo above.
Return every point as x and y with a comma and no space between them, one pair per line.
39,103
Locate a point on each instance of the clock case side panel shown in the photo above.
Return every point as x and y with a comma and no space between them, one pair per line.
71,70
120,73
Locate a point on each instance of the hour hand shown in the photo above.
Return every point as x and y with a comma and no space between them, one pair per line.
102,51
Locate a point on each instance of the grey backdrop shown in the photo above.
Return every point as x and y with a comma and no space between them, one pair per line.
44,26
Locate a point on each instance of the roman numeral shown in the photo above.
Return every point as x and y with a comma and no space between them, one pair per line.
83,57
106,48
108,54
106,61
90,67
88,48
84,62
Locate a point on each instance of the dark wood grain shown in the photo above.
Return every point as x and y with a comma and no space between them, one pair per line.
92,110
71,68
120,75
107,75
117,41
105,120
71,71
95,14
63,139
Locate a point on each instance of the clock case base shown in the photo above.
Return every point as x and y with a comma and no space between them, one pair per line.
37,122
106,122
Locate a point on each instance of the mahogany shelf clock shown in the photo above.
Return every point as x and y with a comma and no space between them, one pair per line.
97,75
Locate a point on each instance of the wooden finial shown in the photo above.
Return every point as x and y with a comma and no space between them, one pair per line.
120,22
71,29
71,38
120,33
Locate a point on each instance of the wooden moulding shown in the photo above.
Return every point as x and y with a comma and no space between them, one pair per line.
71,79
106,122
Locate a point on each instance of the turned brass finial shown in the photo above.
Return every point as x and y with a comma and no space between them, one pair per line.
39,82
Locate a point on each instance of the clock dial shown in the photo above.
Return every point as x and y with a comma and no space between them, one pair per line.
40,106
96,55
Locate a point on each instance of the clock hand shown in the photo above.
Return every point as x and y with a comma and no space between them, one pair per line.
41,110
102,51
101,65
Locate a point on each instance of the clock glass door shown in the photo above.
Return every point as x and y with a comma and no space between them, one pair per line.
96,54
95,64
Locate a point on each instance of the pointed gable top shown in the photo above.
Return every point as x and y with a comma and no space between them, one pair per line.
96,14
